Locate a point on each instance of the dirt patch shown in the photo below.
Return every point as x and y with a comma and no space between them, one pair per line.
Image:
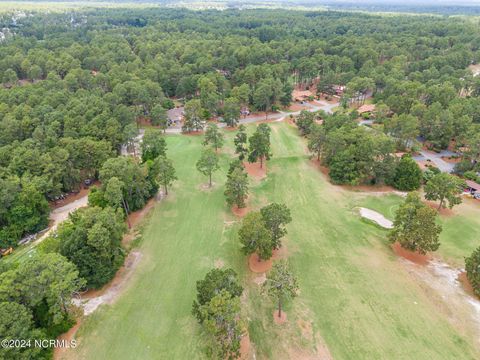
443,287
443,211
280,253
219,263
245,347
259,280
451,160
369,188
240,212
279,320
206,186
58,351
323,169
259,266
193,133
137,216
255,171
306,328
92,299
71,197
414,257
466,285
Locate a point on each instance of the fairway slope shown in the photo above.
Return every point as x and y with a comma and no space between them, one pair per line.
356,301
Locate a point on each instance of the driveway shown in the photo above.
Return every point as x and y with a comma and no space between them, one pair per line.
278,116
436,159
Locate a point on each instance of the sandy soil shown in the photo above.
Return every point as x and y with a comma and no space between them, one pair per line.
414,257
73,197
259,266
255,171
245,347
376,217
475,69
279,320
466,285
441,284
240,212
58,351
443,211
92,299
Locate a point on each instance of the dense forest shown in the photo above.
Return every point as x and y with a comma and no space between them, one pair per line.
72,83
76,85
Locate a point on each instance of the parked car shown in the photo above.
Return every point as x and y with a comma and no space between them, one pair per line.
476,195
88,182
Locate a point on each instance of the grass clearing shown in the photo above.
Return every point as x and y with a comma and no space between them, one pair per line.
354,295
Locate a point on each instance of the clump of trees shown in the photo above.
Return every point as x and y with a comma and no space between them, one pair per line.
353,153
91,239
261,231
415,226
35,302
125,183
357,155
217,309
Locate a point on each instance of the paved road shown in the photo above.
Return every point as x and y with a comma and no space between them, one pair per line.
279,116
436,158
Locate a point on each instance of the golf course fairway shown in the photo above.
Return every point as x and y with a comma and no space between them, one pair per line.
356,301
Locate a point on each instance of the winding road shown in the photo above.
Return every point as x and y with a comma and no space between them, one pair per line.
278,116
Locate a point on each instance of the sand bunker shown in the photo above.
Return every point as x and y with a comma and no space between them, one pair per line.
376,217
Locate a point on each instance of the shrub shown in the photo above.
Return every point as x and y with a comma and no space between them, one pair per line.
472,266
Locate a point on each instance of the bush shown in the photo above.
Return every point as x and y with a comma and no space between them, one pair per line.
471,175
472,266
408,175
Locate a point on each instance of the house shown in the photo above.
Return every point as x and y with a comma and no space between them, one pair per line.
367,108
339,89
175,115
472,187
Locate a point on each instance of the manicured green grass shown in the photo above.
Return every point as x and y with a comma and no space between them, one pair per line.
460,235
355,295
